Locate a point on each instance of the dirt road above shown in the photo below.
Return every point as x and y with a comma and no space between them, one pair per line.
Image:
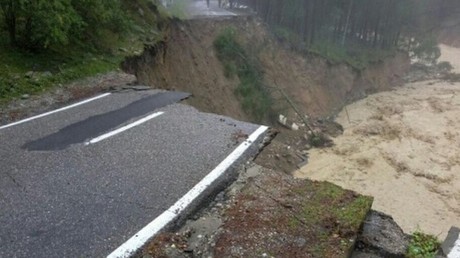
402,147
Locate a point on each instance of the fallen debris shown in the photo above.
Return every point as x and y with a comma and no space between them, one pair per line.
270,214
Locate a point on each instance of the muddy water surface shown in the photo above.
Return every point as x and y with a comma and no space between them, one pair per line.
403,148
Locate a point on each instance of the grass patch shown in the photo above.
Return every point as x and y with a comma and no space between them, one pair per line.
254,97
24,73
332,206
334,215
422,246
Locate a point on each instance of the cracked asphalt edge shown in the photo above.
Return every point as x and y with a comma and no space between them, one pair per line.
177,215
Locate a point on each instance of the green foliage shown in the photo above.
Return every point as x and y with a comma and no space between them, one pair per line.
39,24
42,24
26,73
320,140
107,15
331,201
445,66
96,41
422,246
426,50
255,99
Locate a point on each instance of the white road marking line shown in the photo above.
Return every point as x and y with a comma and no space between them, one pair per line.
124,128
455,252
154,227
55,111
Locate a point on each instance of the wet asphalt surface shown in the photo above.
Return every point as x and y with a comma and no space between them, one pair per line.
69,199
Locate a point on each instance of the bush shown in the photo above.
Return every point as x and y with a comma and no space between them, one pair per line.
445,66
41,24
255,99
422,246
426,50
38,24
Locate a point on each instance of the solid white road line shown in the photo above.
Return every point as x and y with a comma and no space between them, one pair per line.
154,227
124,128
55,111
455,252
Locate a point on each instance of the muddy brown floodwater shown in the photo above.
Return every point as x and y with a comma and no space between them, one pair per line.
403,148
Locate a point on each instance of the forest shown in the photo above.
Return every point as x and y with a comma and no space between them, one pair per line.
355,24
63,40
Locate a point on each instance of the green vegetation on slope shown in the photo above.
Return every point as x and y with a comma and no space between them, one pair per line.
422,246
255,99
26,73
47,43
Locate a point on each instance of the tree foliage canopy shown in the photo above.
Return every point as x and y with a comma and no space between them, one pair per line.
40,24
373,23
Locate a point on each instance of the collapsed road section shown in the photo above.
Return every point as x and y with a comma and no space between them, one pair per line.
86,200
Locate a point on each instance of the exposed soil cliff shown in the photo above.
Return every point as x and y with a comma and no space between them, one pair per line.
186,60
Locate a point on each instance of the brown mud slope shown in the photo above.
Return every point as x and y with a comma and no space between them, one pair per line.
186,60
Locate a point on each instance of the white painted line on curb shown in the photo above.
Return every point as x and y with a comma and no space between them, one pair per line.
124,128
55,111
455,252
154,227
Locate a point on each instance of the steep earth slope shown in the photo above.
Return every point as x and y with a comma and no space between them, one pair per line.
186,60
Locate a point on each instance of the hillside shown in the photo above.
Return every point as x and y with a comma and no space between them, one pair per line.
187,60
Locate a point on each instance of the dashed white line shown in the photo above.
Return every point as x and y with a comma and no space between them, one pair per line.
55,111
124,128
154,227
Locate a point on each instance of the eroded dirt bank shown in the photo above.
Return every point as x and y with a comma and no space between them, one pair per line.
403,148
186,60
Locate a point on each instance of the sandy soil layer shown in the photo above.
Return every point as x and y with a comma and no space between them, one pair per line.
403,148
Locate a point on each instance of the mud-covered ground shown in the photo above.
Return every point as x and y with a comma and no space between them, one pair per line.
269,214
403,148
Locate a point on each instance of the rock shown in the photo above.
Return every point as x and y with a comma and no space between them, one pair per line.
122,49
29,74
25,96
294,127
47,74
140,11
137,88
282,120
381,236
451,245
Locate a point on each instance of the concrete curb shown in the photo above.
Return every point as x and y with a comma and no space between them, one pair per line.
217,180
450,248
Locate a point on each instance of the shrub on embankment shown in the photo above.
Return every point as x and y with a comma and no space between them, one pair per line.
255,98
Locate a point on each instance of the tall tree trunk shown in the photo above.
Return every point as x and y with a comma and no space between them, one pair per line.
350,8
9,14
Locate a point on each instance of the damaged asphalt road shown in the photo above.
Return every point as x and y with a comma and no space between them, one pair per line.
84,200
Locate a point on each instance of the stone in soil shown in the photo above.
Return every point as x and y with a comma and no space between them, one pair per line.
381,237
